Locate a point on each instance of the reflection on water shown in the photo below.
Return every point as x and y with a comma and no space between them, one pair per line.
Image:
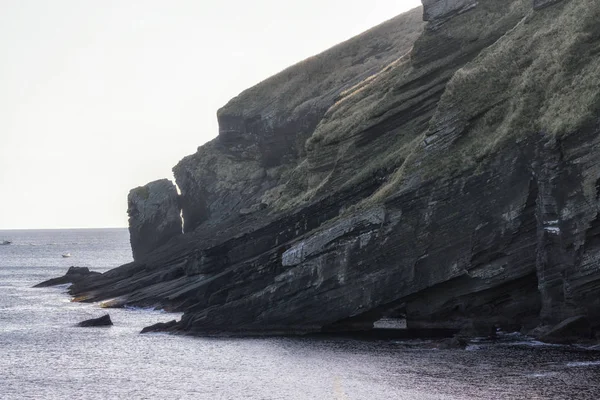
45,356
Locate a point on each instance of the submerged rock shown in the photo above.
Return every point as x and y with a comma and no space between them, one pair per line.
73,275
101,321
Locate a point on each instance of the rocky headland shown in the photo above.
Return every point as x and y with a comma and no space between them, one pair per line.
443,166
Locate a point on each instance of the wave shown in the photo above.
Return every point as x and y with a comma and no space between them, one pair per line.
541,374
584,364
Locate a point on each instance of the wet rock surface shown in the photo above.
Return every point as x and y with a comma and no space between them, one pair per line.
570,330
73,275
462,198
456,342
101,321
160,327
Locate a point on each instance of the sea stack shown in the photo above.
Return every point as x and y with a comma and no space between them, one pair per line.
154,216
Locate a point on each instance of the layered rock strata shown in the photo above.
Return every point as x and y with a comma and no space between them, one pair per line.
73,275
154,216
448,172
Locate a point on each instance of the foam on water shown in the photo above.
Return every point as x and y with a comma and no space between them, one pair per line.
584,364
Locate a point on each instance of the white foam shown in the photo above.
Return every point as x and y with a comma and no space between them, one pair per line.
541,374
533,343
583,364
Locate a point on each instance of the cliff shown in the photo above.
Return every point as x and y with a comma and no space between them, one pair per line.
447,171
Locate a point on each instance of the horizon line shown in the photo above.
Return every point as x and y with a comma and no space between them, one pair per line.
62,229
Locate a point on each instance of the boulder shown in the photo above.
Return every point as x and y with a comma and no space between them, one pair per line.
570,330
102,321
159,327
154,216
73,275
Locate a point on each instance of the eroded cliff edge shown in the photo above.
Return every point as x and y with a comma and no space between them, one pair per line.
447,170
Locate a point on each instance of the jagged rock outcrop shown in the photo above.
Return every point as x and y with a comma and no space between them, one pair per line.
154,216
569,330
457,181
73,275
100,321
160,327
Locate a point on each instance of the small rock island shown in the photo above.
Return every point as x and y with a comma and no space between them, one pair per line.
442,166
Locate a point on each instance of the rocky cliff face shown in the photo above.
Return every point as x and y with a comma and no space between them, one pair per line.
262,132
448,172
154,216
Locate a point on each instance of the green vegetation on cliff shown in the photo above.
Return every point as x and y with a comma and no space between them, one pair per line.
259,157
313,82
444,100
540,78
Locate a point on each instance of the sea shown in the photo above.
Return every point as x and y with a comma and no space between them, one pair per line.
43,355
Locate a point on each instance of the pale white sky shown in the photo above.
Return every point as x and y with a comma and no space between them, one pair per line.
98,97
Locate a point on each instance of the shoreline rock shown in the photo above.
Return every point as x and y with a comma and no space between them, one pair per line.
73,275
571,330
160,327
100,321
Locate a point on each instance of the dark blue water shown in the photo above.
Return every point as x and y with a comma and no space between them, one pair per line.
44,356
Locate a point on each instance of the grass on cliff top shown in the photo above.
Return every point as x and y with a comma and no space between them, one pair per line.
542,77
402,92
547,69
374,99
316,81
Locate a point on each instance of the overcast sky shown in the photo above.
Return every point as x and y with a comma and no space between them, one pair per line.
98,97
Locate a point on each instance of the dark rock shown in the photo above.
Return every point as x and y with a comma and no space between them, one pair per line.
439,9
456,342
570,330
446,182
480,329
262,132
101,321
73,275
539,4
160,327
252,209
154,216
